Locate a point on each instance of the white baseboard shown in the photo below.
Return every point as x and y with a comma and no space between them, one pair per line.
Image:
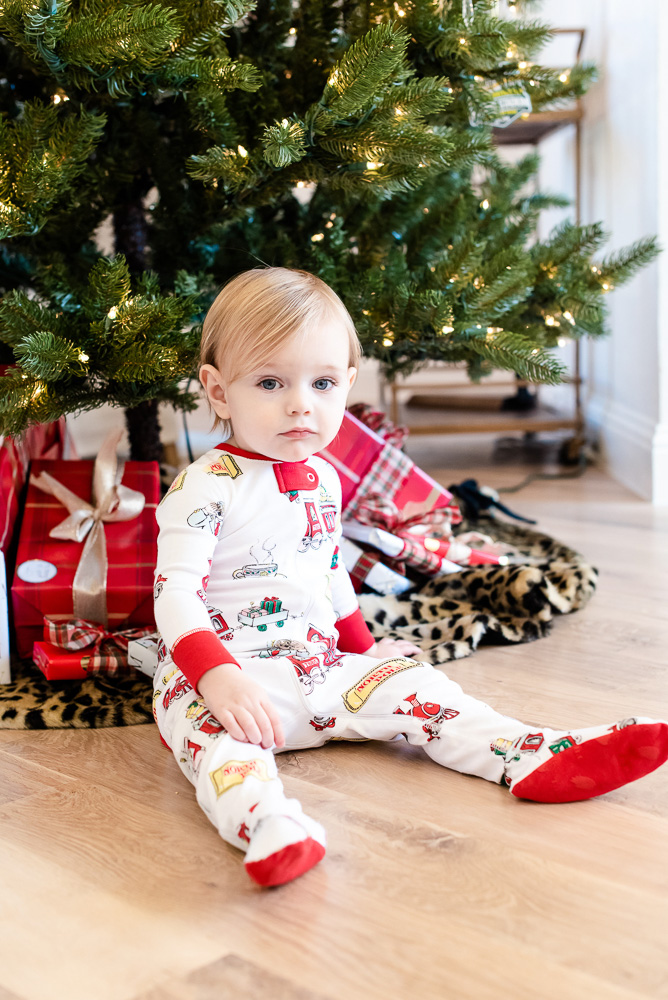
660,465
628,444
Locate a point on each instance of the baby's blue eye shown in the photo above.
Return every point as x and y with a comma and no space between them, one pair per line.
323,384
269,383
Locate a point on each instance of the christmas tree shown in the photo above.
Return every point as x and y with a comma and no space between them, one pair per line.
352,139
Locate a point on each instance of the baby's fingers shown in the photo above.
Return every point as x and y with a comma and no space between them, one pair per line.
276,725
232,726
405,646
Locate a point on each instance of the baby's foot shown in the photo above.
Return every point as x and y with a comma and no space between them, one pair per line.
582,763
282,848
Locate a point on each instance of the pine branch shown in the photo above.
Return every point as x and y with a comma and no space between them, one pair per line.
618,267
230,166
366,68
21,317
42,154
46,356
284,143
516,353
108,287
121,36
223,73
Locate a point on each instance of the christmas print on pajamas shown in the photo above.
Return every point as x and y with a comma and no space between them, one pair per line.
248,572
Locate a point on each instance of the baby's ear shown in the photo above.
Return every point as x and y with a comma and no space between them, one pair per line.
352,375
215,389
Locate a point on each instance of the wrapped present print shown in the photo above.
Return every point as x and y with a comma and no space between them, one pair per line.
271,604
98,562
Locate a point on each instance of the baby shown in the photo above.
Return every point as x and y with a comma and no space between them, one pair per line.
265,648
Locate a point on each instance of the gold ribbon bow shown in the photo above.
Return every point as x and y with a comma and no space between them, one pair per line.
111,502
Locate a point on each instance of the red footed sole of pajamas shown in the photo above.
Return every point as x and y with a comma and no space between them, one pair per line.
597,766
287,864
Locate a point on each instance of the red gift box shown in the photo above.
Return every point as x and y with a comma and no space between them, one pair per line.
41,441
58,664
44,586
367,464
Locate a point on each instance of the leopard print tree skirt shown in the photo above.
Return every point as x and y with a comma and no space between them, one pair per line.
448,618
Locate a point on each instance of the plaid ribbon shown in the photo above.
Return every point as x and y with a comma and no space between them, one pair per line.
380,512
376,420
109,652
389,472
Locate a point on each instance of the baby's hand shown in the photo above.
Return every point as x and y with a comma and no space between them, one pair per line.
386,648
241,706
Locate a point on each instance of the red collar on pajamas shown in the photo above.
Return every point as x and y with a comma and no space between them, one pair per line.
290,476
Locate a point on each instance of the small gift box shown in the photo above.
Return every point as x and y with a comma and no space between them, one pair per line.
366,569
58,665
75,649
143,654
98,563
42,441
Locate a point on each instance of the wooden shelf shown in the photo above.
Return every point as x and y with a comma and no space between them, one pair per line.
535,127
443,420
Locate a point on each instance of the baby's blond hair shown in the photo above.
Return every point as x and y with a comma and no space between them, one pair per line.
258,311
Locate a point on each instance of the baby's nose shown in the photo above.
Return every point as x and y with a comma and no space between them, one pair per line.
299,402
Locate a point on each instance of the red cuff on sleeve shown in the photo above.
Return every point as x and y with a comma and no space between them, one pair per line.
354,634
198,651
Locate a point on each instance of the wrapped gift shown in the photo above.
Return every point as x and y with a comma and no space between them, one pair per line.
58,665
76,648
41,441
96,564
143,654
368,465
366,569
395,434
431,555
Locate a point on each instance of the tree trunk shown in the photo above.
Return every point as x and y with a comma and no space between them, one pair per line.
144,431
131,239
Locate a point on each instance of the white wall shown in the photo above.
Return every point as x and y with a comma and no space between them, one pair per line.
624,172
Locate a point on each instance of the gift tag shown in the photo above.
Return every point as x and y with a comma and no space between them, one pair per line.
36,571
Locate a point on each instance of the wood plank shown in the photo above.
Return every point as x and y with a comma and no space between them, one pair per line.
434,883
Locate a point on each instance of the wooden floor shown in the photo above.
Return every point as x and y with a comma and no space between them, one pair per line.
435,885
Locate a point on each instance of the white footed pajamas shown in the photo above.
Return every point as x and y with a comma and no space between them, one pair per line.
248,572
360,698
